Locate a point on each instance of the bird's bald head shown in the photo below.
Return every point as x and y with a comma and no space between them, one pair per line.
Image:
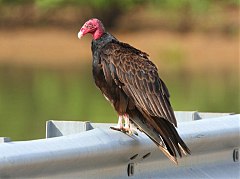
92,26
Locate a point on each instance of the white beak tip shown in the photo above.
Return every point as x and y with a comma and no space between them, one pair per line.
80,34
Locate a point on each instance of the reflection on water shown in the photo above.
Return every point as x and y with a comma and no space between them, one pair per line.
30,96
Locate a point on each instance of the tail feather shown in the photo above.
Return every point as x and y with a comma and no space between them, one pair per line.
173,136
181,144
162,133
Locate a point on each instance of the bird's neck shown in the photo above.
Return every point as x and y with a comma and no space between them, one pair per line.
102,41
98,33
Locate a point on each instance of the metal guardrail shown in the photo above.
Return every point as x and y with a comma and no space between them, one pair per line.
92,150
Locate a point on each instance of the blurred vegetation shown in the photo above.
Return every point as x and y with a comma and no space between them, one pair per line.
183,16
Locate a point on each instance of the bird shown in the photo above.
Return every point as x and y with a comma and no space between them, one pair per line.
129,80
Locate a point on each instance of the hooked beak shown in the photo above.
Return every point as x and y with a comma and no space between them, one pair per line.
80,34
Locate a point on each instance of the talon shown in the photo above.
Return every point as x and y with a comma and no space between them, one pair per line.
127,127
115,128
130,132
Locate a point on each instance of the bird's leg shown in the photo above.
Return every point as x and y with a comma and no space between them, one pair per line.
128,127
120,122
127,122
119,126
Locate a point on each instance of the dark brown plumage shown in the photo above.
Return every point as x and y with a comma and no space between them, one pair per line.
130,81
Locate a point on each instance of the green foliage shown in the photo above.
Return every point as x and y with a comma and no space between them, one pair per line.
98,4
177,5
16,2
49,3
171,4
181,15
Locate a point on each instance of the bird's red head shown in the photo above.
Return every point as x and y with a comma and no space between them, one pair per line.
92,26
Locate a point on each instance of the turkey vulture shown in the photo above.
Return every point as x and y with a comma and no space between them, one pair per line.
130,82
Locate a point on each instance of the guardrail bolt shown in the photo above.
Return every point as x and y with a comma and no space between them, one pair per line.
130,169
133,157
146,155
235,155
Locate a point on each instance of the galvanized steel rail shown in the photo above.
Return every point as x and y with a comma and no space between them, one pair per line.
90,150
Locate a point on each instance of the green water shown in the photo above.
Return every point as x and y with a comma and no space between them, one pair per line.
31,96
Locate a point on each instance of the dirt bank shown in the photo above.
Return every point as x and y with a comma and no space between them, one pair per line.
61,48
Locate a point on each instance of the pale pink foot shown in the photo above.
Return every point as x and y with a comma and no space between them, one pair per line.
127,127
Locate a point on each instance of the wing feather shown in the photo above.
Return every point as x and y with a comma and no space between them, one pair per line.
154,108
136,97
140,79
